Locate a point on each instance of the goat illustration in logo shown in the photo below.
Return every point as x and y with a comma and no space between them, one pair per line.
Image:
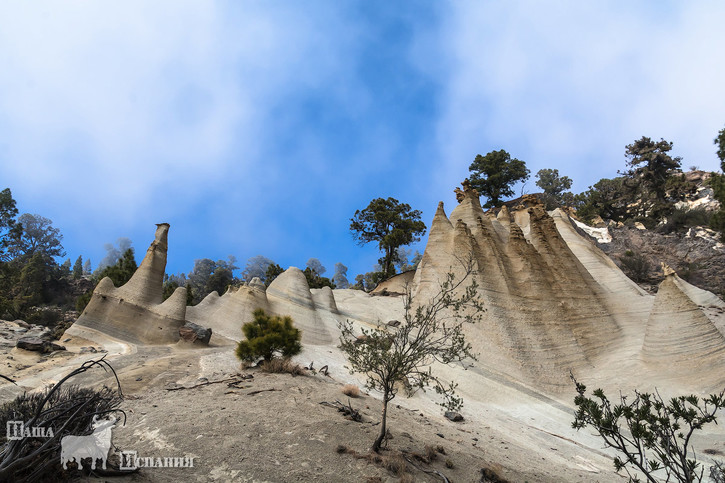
94,446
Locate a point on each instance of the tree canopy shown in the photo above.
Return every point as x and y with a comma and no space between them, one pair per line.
114,254
390,223
554,187
550,181
720,143
340,276
606,198
120,273
494,175
650,165
78,267
273,271
209,276
256,267
37,234
9,227
316,266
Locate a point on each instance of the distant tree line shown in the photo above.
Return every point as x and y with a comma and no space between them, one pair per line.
646,190
209,276
32,282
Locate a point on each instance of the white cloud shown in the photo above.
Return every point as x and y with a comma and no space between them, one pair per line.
128,99
568,84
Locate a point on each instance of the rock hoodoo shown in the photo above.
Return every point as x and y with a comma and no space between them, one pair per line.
136,312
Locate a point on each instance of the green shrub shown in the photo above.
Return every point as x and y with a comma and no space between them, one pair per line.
681,219
651,434
267,336
635,265
717,223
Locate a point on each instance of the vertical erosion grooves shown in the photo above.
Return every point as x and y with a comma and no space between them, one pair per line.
681,341
544,313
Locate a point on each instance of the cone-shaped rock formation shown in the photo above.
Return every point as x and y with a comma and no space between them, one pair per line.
544,310
680,340
135,312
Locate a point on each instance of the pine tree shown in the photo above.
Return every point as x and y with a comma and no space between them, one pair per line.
267,336
78,268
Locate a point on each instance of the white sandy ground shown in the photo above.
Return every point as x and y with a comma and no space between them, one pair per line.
286,435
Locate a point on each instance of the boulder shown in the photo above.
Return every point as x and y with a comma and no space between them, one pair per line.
195,333
454,416
37,344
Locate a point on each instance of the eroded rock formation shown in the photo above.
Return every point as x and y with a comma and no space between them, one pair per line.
554,301
136,312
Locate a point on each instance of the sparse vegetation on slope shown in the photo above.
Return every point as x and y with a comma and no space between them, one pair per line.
403,355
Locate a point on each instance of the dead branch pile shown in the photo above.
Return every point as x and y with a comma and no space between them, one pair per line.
347,411
59,410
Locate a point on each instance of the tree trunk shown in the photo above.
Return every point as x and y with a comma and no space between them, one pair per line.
383,427
388,262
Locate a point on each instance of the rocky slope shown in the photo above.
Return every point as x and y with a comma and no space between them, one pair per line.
697,255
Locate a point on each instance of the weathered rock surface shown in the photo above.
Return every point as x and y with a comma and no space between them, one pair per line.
136,311
554,301
698,259
37,344
225,315
191,332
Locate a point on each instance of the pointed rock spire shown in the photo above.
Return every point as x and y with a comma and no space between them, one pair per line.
146,284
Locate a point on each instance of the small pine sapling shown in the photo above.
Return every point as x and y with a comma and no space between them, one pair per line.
267,336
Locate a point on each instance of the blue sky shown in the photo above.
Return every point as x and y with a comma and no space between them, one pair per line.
260,127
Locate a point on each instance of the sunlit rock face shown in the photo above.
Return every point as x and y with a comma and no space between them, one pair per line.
314,312
136,312
226,314
554,302
544,311
680,339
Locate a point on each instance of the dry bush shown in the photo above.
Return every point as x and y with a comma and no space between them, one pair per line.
430,453
449,463
406,478
351,390
395,464
283,365
345,449
491,474
63,409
